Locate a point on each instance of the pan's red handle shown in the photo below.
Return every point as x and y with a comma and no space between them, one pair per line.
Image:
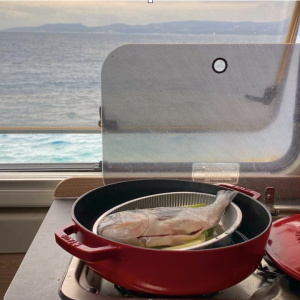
79,250
243,190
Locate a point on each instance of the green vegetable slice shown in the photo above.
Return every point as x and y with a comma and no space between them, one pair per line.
197,205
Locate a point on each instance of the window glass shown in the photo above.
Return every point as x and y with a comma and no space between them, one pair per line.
50,148
51,56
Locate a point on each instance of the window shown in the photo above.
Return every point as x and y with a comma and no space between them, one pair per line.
51,55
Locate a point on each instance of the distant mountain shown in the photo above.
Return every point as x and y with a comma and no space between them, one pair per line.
52,28
184,27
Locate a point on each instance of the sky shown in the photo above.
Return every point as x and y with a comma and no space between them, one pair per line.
26,13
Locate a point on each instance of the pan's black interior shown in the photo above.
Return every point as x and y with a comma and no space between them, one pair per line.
90,206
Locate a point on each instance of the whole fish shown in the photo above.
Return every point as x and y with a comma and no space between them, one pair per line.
164,226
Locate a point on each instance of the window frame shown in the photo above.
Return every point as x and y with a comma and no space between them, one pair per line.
33,185
35,189
51,167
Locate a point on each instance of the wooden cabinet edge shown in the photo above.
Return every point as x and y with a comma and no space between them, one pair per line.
77,186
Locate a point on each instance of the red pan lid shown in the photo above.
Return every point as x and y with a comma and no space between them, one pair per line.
283,246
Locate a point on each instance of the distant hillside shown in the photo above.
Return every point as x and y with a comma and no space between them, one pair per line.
184,27
52,28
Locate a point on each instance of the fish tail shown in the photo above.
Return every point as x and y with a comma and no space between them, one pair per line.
225,196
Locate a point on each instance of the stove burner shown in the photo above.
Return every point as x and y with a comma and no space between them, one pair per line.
269,271
132,294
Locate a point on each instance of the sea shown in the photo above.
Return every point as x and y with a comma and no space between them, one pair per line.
54,79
